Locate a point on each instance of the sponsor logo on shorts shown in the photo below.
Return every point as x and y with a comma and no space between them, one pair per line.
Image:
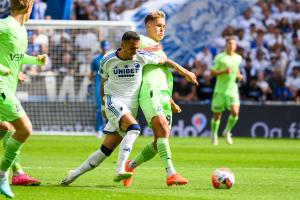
159,108
18,108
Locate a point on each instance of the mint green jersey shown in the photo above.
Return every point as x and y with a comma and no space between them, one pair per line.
226,83
155,78
13,45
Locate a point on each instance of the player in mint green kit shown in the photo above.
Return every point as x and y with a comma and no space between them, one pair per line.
13,45
226,95
155,99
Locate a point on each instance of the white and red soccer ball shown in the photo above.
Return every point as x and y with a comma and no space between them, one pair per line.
222,178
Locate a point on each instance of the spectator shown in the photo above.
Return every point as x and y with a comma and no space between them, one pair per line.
4,8
183,91
39,9
205,89
293,82
253,92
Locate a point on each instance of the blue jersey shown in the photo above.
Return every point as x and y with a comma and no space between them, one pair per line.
95,65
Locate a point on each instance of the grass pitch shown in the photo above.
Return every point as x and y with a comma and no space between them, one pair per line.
263,168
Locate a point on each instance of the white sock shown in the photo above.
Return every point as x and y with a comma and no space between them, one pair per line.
125,149
3,174
90,163
18,172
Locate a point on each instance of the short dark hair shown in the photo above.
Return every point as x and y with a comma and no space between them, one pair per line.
130,35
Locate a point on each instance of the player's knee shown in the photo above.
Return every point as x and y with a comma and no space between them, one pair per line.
135,128
107,152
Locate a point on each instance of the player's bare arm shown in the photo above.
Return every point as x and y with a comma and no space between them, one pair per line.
189,76
239,75
4,71
175,107
35,60
103,80
227,70
153,48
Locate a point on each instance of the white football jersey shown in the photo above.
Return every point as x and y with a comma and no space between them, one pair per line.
124,77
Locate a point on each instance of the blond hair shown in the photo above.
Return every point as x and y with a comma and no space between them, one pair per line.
154,15
19,5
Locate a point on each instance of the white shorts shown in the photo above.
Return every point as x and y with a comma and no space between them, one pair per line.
115,108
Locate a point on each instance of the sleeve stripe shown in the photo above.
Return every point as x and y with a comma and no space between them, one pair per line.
106,58
146,53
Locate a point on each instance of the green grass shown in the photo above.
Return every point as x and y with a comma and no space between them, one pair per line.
263,168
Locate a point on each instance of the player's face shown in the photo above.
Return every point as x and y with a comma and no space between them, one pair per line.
231,46
156,29
130,48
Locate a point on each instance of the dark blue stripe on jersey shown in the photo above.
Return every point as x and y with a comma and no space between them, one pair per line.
111,108
146,53
106,58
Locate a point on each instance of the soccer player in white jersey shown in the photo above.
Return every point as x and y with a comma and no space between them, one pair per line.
121,73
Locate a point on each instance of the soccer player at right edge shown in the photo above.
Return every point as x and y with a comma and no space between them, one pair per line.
226,95
121,73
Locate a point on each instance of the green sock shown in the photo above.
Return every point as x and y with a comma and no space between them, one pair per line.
164,152
11,151
146,154
16,166
215,124
231,122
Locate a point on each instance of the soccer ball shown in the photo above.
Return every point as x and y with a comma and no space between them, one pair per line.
222,178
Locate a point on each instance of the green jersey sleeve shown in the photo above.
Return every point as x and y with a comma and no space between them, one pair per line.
31,60
3,30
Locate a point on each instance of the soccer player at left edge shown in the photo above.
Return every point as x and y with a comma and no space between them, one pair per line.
13,46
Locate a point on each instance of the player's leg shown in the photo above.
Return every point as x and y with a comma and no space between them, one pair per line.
12,111
161,123
147,104
215,125
233,117
111,141
217,107
19,176
14,144
129,125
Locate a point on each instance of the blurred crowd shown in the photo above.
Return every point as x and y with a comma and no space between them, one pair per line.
268,38
102,9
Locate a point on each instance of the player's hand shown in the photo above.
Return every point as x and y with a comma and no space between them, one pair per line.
175,108
191,77
21,77
228,70
43,58
153,48
9,72
239,77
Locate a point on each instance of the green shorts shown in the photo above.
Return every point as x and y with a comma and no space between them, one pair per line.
10,108
155,103
221,101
